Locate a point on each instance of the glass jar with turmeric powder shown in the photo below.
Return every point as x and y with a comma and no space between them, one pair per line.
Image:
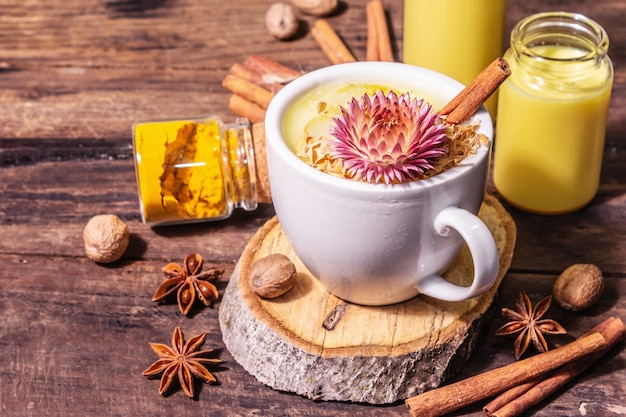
194,170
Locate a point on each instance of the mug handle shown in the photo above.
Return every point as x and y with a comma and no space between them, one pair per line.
484,255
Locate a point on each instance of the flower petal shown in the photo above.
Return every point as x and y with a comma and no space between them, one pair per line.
390,139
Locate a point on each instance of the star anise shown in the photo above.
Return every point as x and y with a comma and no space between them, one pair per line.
188,282
182,361
528,323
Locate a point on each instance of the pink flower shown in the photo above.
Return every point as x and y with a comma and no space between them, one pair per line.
387,139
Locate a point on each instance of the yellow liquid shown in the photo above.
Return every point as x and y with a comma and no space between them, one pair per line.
549,142
458,38
305,117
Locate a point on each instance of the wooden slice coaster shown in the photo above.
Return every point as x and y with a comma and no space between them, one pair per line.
314,344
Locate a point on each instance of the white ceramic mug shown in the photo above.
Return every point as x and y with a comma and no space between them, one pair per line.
378,244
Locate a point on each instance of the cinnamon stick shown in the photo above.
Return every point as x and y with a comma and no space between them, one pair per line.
246,73
331,43
270,70
461,107
263,192
371,46
512,403
250,91
245,108
510,395
254,77
377,25
460,394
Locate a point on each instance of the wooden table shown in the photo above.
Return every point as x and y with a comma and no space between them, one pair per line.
75,75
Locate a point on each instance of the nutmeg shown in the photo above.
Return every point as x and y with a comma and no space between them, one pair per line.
578,287
106,238
281,20
272,276
316,7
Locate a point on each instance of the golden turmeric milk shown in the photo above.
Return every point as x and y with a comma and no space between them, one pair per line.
552,113
192,170
458,38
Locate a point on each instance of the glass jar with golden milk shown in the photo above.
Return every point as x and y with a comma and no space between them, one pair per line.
194,170
552,113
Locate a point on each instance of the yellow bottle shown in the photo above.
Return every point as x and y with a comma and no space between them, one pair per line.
193,170
552,113
458,38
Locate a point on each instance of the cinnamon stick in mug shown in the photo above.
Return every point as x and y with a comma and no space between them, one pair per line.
461,107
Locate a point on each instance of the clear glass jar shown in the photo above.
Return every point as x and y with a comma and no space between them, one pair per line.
194,170
552,113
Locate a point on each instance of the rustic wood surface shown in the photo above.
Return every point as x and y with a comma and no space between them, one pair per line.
75,75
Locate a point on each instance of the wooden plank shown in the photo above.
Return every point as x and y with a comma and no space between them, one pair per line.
46,205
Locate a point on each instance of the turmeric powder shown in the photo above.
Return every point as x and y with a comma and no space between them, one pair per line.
186,171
